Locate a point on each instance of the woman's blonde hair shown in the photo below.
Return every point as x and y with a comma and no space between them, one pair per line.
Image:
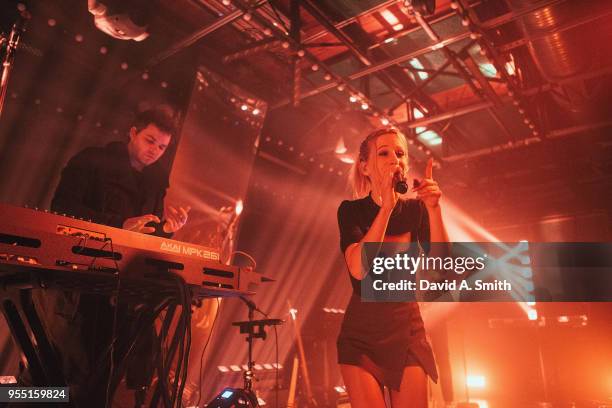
360,183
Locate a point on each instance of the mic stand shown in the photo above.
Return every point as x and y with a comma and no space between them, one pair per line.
245,397
9,54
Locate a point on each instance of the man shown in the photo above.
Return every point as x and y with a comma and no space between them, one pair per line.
121,185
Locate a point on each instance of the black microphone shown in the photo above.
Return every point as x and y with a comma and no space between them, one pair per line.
400,184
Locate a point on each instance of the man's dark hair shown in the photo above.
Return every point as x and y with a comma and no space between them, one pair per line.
163,117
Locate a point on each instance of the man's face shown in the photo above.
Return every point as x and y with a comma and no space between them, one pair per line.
147,146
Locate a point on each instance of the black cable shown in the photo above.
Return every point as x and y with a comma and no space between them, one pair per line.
181,332
161,380
93,261
277,387
204,351
181,364
114,329
141,331
187,303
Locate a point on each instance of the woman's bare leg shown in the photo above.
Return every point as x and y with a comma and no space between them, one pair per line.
363,389
413,390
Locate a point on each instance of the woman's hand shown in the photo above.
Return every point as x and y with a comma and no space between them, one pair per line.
428,189
389,196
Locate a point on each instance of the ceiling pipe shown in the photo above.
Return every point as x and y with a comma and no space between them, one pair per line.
558,53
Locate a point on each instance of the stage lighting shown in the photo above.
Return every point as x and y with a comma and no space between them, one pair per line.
121,20
234,398
476,381
423,7
532,314
239,207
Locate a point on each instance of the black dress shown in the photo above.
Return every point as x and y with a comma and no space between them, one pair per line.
383,337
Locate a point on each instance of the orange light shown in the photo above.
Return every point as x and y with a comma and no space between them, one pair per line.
389,16
476,381
532,314
239,207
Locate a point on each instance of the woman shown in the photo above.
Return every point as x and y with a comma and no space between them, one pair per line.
384,344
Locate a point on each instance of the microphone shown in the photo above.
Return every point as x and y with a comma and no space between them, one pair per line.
399,183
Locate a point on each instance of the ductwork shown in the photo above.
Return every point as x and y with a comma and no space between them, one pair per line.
559,53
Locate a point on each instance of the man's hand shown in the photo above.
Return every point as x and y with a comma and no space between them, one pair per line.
174,218
137,224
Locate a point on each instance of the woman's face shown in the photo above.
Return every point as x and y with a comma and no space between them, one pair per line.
388,153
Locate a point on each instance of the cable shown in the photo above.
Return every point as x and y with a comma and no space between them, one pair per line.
183,360
204,351
249,257
277,387
114,330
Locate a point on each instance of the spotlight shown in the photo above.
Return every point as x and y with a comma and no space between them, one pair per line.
532,314
244,107
424,7
301,53
247,16
226,2
353,98
234,397
384,121
315,67
476,381
255,112
239,207
365,106
120,19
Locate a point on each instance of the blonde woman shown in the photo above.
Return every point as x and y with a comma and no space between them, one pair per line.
384,344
